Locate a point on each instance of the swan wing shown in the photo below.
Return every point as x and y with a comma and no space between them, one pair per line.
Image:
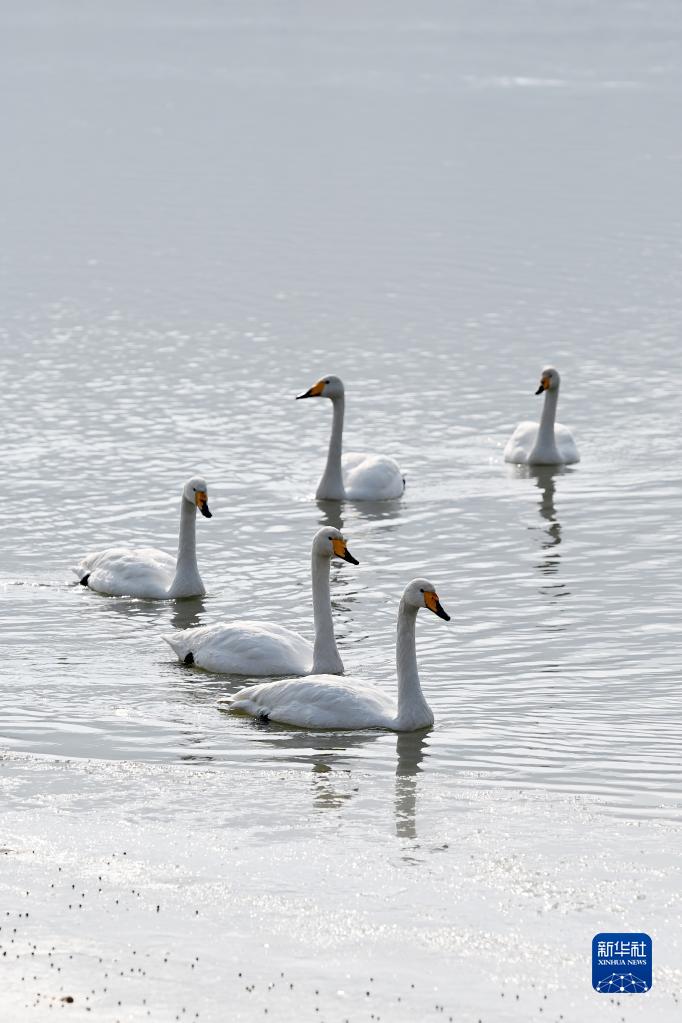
370,477
565,443
521,442
321,701
128,572
244,648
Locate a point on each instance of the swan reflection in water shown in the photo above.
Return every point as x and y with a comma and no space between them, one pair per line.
184,613
544,476
331,514
545,479
188,613
411,749
332,757
385,513
333,787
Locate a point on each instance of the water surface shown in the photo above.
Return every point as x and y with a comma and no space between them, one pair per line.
204,212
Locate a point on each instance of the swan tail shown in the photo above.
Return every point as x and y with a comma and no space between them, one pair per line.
243,705
179,647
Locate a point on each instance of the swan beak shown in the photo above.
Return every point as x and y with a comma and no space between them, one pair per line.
341,551
313,392
544,384
201,499
433,603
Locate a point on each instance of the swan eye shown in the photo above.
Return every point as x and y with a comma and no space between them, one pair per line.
420,590
326,381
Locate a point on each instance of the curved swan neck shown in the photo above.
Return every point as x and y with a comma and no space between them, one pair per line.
413,710
187,581
331,484
326,659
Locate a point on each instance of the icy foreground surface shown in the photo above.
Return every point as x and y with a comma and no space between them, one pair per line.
447,902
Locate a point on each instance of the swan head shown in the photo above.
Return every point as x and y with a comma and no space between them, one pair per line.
196,492
331,543
326,387
422,593
549,380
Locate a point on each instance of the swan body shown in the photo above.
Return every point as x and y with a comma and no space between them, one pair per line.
357,476
324,701
546,442
149,573
264,648
370,477
244,648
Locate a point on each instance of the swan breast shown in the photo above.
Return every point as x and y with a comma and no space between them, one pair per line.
521,442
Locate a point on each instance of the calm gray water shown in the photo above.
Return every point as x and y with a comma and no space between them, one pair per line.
202,214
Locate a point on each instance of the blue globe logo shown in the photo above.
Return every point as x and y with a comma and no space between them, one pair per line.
625,982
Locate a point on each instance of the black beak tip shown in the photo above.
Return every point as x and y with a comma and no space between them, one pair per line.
442,613
540,389
205,512
350,559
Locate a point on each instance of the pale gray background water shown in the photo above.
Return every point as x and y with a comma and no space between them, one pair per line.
204,209
204,212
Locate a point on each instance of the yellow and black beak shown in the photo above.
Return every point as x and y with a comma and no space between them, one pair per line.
341,551
313,392
201,500
544,384
433,603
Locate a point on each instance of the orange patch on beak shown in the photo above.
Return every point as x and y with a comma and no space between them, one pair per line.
201,501
545,383
339,547
317,389
433,603
341,551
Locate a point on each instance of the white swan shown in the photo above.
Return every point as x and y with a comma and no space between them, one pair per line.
147,572
546,443
263,648
324,701
357,476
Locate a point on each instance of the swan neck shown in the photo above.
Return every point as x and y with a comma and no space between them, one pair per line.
331,484
413,710
548,418
187,581
326,659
